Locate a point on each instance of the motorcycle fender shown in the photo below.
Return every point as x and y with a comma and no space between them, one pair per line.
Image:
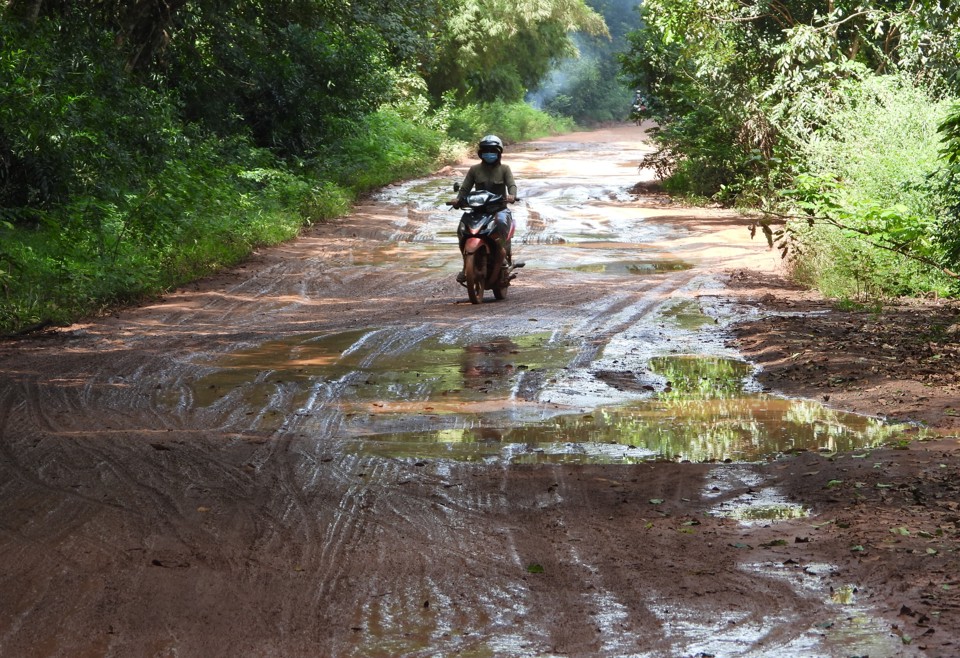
471,245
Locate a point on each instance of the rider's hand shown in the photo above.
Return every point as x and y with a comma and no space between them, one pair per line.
455,203
511,198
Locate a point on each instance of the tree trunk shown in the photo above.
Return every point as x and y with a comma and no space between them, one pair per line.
29,10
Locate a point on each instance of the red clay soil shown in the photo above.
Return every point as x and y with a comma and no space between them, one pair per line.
895,513
147,511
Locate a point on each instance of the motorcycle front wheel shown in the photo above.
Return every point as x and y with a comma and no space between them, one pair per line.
475,270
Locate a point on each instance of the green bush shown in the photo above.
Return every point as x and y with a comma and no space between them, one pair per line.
948,184
71,123
866,178
383,148
512,122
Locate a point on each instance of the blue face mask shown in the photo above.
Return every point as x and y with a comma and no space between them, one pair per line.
490,158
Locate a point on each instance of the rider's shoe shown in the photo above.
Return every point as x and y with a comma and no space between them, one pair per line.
462,277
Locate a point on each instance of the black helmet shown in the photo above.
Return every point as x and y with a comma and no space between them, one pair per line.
490,144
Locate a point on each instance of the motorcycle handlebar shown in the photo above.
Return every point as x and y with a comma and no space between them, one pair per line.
453,204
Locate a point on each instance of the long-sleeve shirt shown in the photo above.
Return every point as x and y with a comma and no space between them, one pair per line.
494,178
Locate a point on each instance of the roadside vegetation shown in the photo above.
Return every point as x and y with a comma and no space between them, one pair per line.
839,123
146,144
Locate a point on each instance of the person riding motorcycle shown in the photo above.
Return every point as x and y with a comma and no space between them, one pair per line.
492,175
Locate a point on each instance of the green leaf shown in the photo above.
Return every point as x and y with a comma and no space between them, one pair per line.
534,568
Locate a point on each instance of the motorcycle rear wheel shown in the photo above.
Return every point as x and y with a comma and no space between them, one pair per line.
475,270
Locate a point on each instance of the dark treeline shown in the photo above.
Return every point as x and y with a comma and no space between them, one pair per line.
146,143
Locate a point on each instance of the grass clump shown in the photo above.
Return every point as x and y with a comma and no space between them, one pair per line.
867,184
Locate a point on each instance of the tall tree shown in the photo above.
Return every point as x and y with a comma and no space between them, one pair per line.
494,49
729,77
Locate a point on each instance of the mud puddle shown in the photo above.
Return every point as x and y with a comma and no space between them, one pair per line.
427,395
699,419
847,625
703,414
844,623
381,373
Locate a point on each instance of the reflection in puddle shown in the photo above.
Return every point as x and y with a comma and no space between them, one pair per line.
741,429
704,415
639,267
383,372
776,512
688,315
446,397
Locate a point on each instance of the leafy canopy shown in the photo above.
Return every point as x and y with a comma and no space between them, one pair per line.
497,49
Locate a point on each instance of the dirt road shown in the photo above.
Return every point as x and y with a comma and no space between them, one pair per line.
329,452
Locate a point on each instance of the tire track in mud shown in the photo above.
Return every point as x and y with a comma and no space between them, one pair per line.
268,532
429,600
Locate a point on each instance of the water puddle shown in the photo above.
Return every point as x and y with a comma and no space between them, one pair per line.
688,316
747,429
383,373
765,513
393,393
702,415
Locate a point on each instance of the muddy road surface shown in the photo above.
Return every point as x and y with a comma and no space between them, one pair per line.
330,452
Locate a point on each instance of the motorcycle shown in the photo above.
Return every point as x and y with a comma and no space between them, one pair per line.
484,244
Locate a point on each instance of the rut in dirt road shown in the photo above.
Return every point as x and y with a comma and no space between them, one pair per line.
330,452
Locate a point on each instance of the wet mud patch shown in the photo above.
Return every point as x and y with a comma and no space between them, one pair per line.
405,255
846,625
638,267
419,193
378,372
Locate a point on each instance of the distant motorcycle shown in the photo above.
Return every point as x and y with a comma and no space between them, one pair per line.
484,243
638,111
